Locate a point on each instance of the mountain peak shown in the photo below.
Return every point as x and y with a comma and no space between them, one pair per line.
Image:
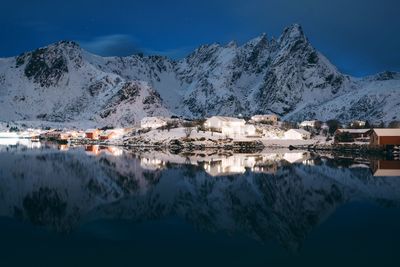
232,44
385,76
293,32
67,43
295,28
48,65
262,38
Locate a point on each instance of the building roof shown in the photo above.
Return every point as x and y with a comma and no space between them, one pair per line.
359,131
227,119
387,132
91,130
312,121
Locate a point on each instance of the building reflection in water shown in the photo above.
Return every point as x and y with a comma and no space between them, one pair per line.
152,164
222,164
92,150
113,151
258,163
304,188
63,147
385,167
96,150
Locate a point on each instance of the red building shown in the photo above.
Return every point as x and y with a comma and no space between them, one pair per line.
92,134
385,137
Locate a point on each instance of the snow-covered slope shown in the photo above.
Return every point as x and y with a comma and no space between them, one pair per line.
57,83
286,76
377,99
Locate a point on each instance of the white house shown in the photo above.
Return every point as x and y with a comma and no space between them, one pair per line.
308,123
227,125
238,130
153,122
269,118
297,134
218,122
230,127
249,130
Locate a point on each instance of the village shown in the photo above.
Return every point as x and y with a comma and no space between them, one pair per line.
223,132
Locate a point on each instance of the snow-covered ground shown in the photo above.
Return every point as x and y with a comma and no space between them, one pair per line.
37,124
208,138
178,133
272,135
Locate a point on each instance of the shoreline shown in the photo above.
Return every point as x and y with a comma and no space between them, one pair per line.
181,146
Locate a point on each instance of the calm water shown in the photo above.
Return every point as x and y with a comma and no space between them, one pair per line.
102,206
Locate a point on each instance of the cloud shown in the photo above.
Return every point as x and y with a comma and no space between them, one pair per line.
111,45
125,45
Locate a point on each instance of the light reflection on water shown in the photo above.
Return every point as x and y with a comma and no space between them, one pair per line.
280,201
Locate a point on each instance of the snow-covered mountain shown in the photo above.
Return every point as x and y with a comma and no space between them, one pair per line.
286,76
58,83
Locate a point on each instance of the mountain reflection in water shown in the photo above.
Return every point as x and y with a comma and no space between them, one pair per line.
278,196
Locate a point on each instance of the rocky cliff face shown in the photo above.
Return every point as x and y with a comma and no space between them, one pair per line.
285,76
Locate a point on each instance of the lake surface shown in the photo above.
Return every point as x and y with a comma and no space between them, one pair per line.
103,206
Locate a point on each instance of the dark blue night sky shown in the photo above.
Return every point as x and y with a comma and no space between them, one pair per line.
359,36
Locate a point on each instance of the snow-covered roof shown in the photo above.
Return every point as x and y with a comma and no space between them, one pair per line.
387,132
91,130
312,121
228,119
118,130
